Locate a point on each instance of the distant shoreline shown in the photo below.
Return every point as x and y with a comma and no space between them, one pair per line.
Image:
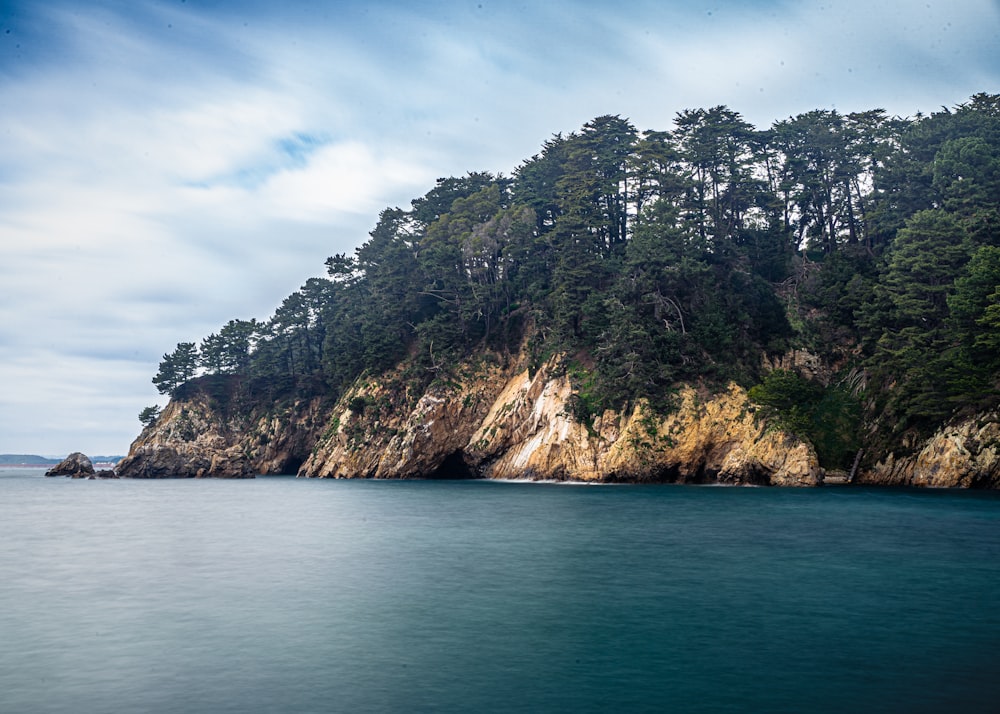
31,461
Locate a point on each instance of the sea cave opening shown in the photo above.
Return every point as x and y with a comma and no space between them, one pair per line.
453,468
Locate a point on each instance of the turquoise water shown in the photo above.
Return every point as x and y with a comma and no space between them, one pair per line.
286,595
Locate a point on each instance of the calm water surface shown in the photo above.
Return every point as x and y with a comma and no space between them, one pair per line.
286,595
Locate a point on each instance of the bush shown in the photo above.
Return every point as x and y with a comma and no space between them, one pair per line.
149,415
829,418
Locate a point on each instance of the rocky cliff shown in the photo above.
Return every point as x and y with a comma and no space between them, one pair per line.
189,440
493,417
963,454
515,424
489,417
200,434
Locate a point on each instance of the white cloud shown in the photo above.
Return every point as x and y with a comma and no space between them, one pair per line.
341,178
54,403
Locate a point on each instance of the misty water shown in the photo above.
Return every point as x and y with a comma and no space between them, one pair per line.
292,595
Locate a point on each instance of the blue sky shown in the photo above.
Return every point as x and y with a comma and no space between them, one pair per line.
168,166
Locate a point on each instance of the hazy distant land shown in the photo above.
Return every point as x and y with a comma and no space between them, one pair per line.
35,460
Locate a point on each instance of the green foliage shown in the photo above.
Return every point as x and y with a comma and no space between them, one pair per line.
835,431
911,355
176,368
228,352
716,147
149,415
974,319
670,256
829,418
790,397
975,303
584,403
358,405
906,182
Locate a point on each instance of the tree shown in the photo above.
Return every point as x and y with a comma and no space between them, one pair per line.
390,303
228,352
176,368
716,146
595,185
439,257
343,269
966,173
655,172
827,416
536,181
912,353
588,237
974,319
790,397
818,170
926,258
291,342
906,181
439,200
149,415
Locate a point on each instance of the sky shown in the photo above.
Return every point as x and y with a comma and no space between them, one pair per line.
168,166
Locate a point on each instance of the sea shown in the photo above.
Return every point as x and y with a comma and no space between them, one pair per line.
295,595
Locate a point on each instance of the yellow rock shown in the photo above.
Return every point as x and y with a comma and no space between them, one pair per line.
963,454
516,425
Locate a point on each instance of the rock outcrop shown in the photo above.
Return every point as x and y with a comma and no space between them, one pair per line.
76,465
205,433
488,417
383,429
964,454
189,440
493,417
802,362
513,424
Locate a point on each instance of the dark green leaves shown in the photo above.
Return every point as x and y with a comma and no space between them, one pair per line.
176,368
149,415
679,255
829,417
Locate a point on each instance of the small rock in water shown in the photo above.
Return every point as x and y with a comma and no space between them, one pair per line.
76,465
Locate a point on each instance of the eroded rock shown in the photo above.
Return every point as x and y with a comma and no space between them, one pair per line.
492,417
965,454
508,424
76,465
189,440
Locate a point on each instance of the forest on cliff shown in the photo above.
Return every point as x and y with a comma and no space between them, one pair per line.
651,259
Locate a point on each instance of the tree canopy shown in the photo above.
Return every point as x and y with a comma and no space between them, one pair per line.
652,258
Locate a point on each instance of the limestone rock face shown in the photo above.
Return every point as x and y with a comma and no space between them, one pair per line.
508,423
189,440
965,454
529,433
76,465
279,440
802,362
493,417
714,439
381,430
203,435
